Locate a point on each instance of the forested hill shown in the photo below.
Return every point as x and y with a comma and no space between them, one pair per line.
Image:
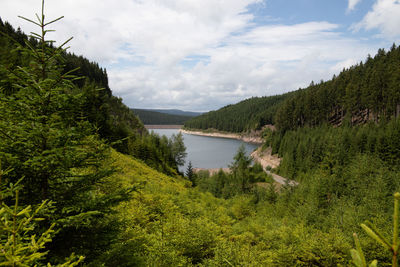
151,117
246,115
114,122
113,119
57,131
364,92
367,91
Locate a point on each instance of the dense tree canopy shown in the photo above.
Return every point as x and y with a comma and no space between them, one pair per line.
246,115
367,91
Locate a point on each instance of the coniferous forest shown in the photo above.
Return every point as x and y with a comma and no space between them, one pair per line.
82,183
149,117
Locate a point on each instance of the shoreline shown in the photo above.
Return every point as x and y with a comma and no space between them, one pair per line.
244,138
161,126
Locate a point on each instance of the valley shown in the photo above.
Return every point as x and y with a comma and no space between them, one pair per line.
302,178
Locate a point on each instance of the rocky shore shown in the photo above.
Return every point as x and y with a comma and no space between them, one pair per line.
152,126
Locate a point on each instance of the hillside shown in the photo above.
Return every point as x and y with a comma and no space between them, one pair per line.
114,120
250,114
368,91
79,175
152,117
168,223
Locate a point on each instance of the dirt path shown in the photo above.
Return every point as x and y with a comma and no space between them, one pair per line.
282,180
265,158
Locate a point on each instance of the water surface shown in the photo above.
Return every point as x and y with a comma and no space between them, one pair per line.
208,152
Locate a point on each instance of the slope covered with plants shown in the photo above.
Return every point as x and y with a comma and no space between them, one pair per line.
250,114
64,190
368,91
115,123
340,140
55,138
365,92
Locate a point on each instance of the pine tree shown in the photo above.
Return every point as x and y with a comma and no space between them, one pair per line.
45,138
190,174
19,245
240,170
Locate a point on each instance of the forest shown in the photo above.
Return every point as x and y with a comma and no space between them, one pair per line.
82,183
250,114
368,91
149,117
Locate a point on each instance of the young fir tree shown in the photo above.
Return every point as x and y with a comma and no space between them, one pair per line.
19,245
190,174
240,170
45,138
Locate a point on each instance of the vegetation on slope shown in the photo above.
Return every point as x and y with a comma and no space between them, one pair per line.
244,116
118,211
365,92
368,91
169,223
347,173
53,136
114,121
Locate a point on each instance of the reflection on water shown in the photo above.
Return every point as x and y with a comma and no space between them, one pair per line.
208,152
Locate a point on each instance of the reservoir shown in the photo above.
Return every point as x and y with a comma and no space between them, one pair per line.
208,152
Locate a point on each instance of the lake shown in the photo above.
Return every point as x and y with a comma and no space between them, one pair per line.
208,152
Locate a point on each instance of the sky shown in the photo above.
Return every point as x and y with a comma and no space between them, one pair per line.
200,55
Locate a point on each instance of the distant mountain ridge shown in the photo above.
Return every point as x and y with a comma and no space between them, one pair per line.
164,117
175,112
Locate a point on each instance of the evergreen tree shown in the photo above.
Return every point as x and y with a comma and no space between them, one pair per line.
190,174
45,138
19,245
240,170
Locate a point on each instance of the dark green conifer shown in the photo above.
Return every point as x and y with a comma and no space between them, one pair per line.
45,137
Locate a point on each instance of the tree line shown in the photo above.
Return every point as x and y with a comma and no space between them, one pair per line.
368,91
247,115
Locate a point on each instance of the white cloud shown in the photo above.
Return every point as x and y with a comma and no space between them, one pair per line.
352,4
161,31
264,61
384,16
194,55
